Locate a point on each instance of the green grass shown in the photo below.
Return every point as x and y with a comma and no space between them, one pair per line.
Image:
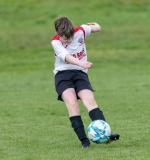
33,124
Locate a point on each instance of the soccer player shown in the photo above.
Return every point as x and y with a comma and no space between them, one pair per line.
70,70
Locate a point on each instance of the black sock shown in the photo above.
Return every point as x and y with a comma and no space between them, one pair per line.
96,114
77,125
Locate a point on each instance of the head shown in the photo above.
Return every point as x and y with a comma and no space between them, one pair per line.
65,29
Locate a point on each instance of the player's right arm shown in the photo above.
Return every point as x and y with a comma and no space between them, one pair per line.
73,60
62,53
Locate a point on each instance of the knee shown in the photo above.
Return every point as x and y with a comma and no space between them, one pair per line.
73,106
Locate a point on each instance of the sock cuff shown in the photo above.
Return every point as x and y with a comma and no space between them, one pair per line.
96,114
93,111
75,117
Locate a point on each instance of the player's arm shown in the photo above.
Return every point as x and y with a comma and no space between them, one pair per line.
61,52
95,27
73,60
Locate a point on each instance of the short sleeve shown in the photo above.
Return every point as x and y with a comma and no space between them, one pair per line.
87,29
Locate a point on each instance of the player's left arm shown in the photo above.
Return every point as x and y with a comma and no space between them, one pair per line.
95,27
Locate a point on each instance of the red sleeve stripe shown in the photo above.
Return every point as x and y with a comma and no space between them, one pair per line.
56,37
80,28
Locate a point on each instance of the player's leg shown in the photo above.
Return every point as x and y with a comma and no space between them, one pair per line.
70,99
89,102
95,113
85,93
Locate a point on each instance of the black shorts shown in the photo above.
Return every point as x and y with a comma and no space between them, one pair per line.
71,79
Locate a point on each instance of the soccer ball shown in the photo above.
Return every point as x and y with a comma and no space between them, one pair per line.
99,131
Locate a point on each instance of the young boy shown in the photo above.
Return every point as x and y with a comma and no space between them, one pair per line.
71,79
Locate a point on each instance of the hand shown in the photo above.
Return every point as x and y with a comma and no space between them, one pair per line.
73,60
86,64
95,27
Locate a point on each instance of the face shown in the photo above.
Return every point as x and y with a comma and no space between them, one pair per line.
65,40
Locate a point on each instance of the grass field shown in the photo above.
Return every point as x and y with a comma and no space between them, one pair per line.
33,124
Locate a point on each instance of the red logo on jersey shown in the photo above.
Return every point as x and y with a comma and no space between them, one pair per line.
79,55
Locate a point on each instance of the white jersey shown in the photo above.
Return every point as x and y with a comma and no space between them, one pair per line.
76,48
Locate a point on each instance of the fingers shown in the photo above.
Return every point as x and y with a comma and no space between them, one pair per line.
91,23
85,64
88,65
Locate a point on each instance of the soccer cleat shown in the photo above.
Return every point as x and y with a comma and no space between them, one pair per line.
113,137
86,146
86,143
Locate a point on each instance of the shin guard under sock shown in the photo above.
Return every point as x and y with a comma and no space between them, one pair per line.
77,125
96,114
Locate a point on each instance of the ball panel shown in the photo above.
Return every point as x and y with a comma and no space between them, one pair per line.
99,131
92,134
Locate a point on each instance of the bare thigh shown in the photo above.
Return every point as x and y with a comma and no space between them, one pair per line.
70,99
